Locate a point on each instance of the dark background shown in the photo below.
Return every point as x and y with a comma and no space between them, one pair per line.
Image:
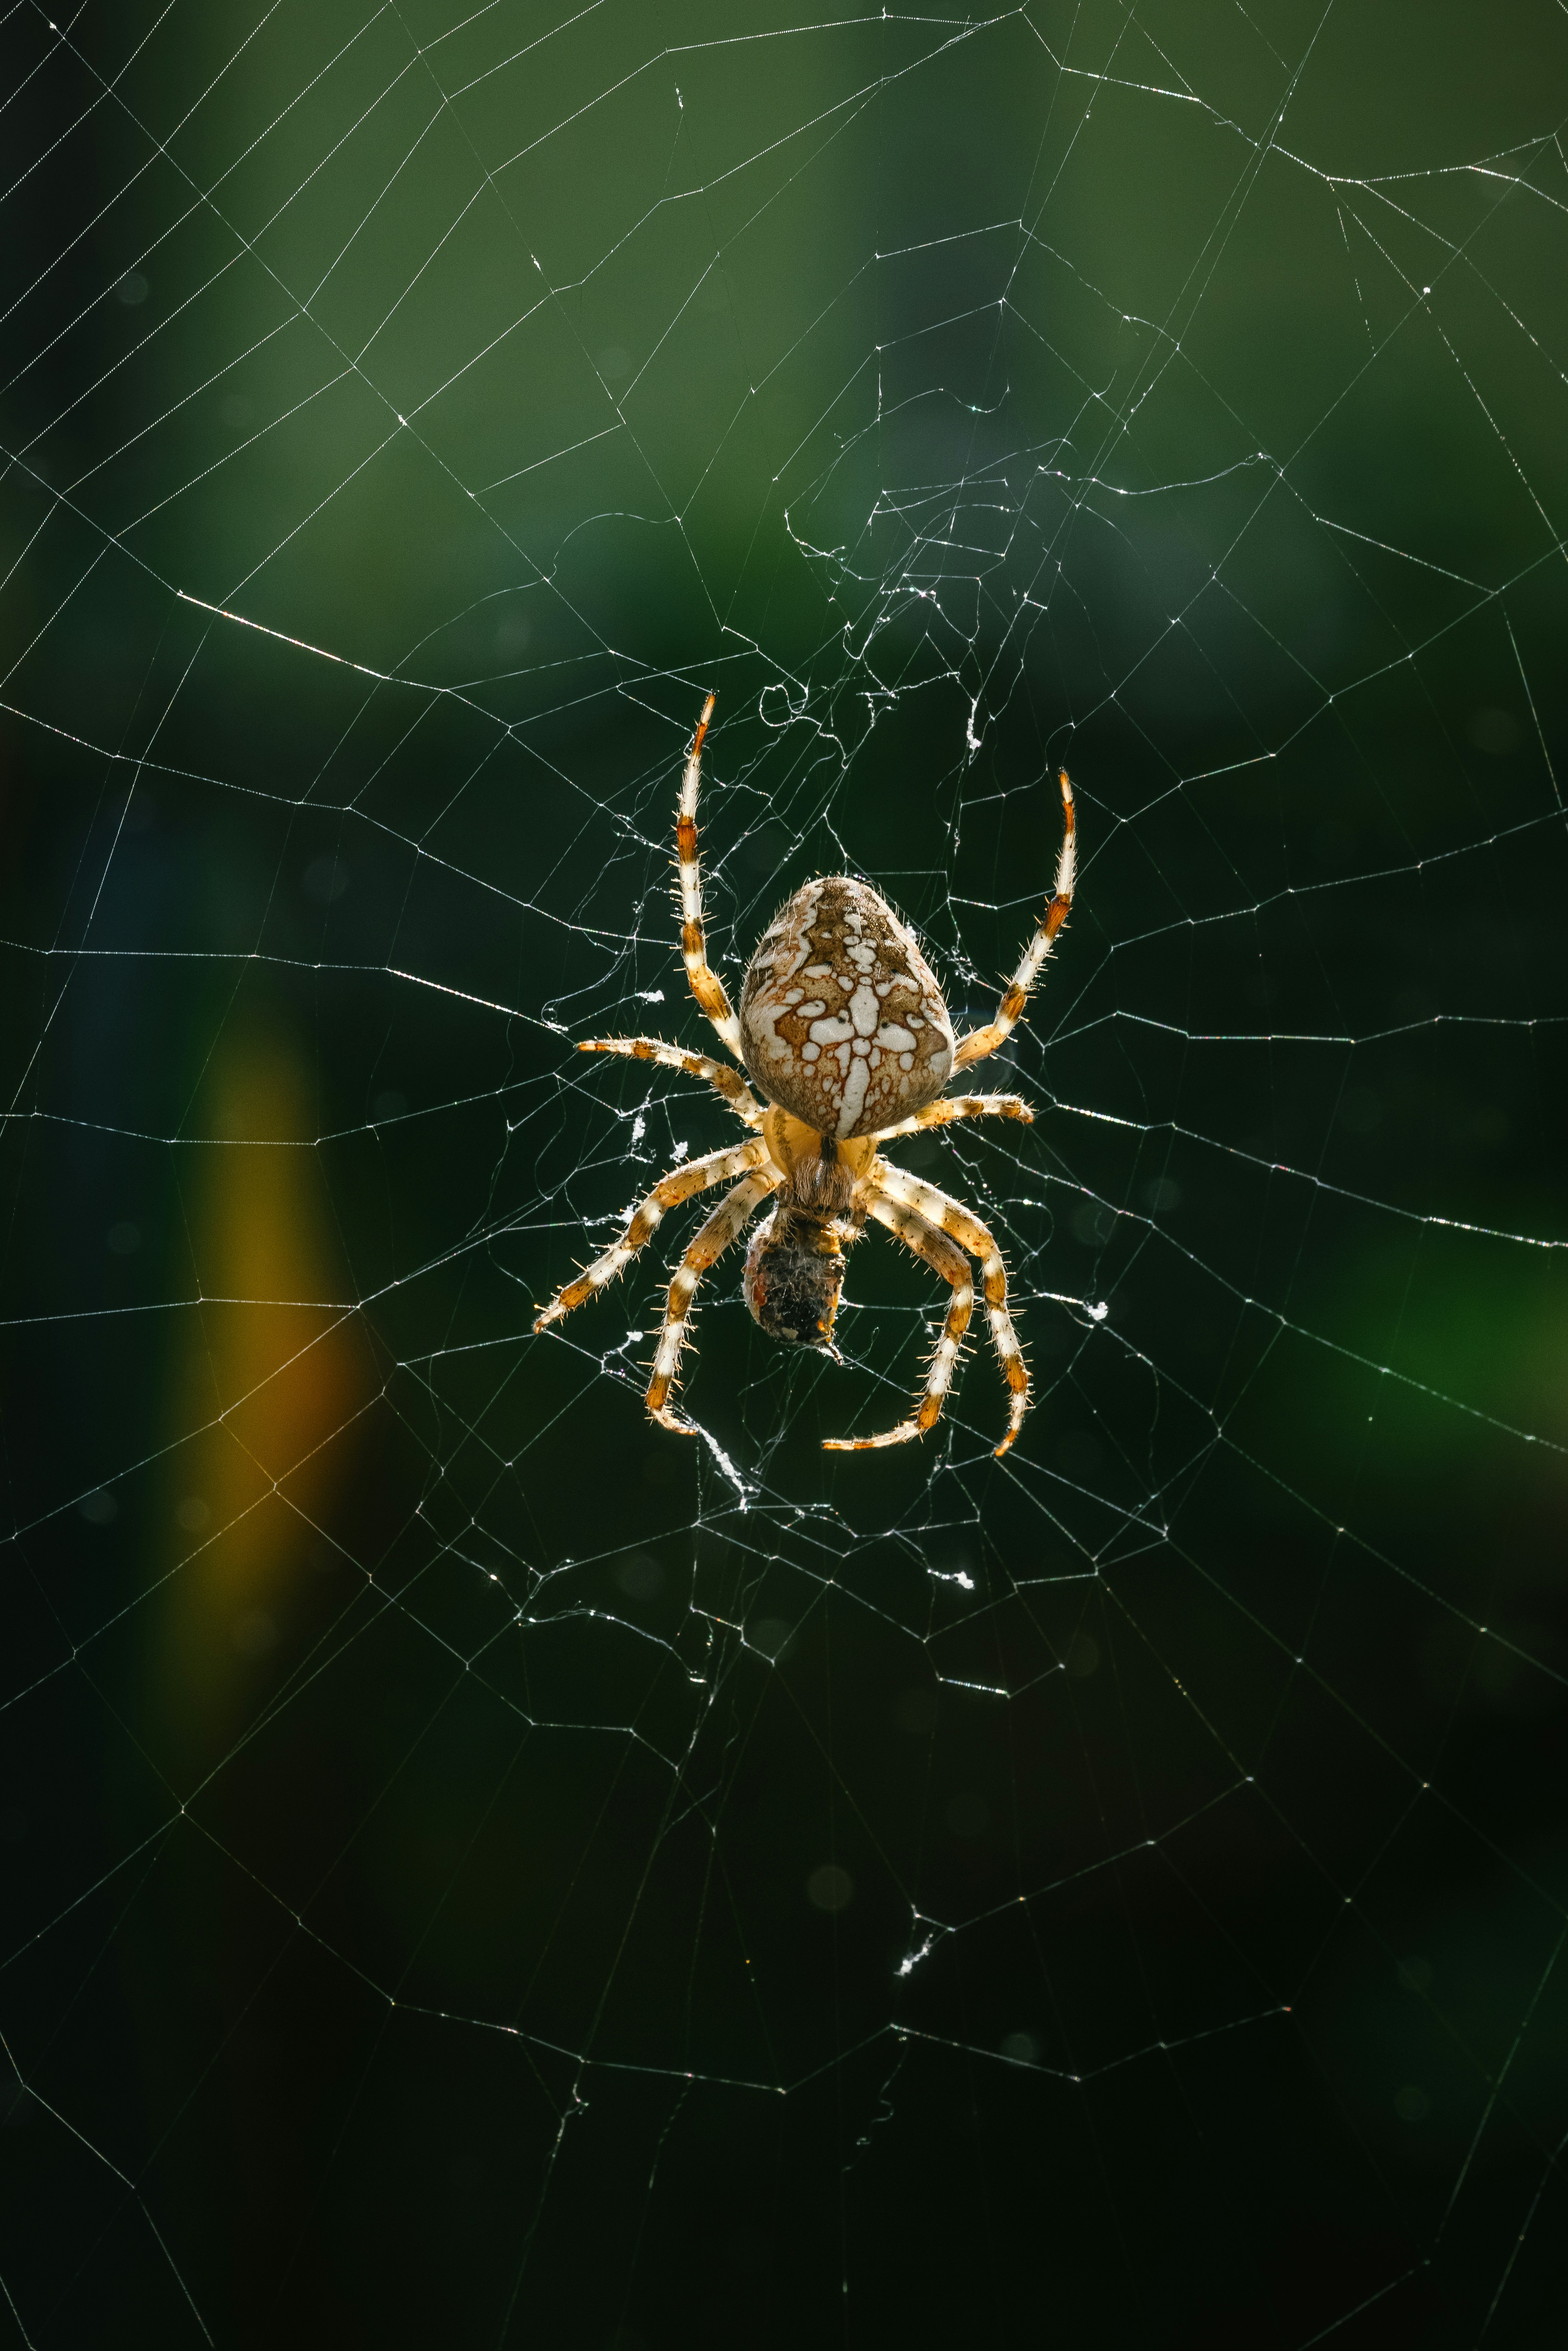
480,1869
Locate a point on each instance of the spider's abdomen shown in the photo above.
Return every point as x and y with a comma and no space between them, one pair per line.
841,1022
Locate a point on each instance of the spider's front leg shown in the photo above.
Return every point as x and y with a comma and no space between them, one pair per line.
951,1217
926,1241
718,1167
713,1238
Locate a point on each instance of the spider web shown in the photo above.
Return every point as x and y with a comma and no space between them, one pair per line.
485,1866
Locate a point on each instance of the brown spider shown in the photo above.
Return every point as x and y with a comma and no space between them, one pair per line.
842,1030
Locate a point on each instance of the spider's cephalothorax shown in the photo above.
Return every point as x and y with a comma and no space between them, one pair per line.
794,1275
795,1266
844,1032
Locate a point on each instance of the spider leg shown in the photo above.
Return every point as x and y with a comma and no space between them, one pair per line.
924,1238
953,1219
729,1083
981,1041
706,986
956,1106
718,1167
712,1238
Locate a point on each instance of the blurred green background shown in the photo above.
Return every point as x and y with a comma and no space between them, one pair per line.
482,1870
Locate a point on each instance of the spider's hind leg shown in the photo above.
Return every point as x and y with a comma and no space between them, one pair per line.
728,1082
948,1108
1009,1012
707,984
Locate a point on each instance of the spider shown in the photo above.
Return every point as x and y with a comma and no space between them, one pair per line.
844,1032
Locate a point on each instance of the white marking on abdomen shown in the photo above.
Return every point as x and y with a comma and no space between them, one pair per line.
855,1084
